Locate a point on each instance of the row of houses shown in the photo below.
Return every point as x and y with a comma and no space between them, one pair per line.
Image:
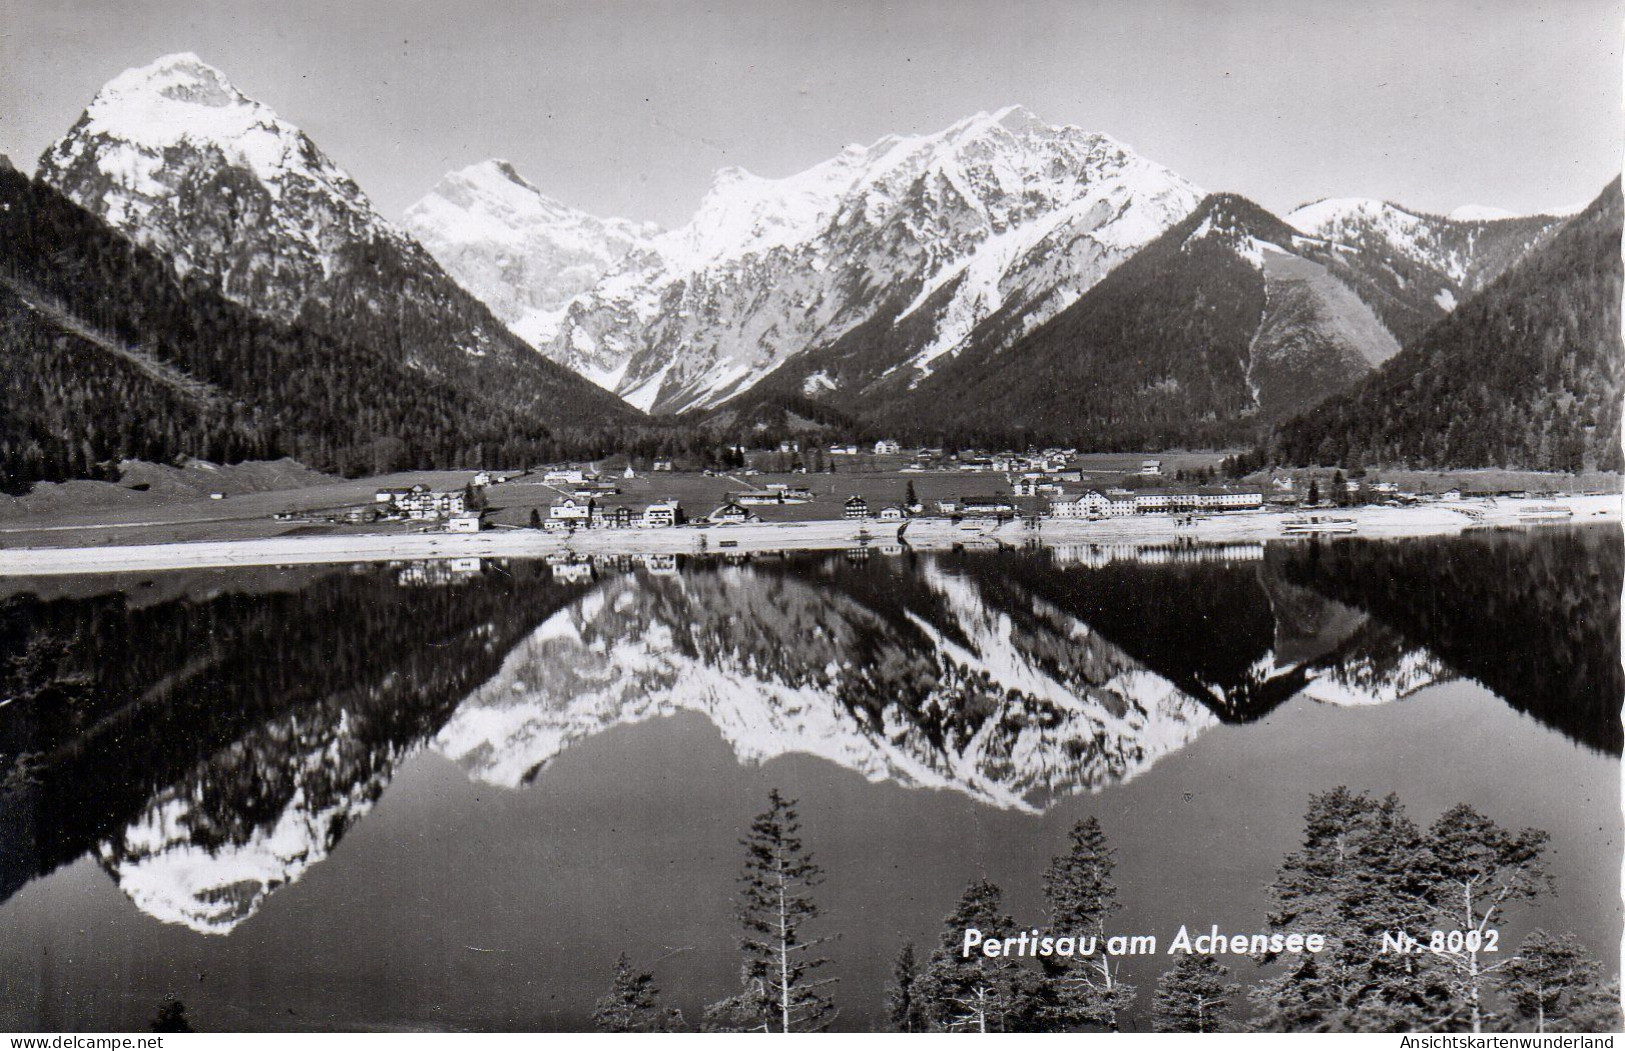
883,447
1094,504
576,513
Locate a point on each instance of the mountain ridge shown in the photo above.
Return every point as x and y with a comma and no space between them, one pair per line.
998,204
1526,372
173,156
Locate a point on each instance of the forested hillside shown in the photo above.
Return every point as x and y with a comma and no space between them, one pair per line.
1226,321
109,356
1525,374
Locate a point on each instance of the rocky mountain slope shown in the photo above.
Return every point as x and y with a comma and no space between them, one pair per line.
1459,254
909,282
1524,374
1228,319
899,248
112,357
180,161
522,253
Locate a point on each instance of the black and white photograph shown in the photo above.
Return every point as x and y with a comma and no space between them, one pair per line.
843,516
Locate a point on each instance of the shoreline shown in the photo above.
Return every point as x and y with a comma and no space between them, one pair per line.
926,534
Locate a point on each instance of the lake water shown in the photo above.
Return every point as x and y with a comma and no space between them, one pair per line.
437,796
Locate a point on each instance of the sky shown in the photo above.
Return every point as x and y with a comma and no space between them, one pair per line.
628,108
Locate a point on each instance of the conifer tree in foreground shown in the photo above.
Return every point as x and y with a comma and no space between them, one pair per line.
1596,1012
629,1006
904,1012
1193,997
1367,874
1476,871
1079,896
775,903
975,993
1551,984
1358,874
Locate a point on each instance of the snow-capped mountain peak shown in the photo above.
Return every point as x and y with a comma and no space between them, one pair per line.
1468,248
229,194
522,252
999,211
175,156
180,101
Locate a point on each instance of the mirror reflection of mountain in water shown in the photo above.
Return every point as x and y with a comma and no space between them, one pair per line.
1534,618
900,670
209,750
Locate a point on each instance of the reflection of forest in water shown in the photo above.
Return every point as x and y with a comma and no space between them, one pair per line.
208,744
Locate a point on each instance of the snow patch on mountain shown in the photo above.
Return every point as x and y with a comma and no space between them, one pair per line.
1347,219
1467,249
524,254
157,136
999,211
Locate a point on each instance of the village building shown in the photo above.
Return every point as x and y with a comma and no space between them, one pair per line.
1151,467
891,513
1156,501
464,523
420,504
1092,504
663,514
571,513
1207,498
618,518
661,465
887,447
730,513
855,507
1036,486
986,506
481,478
567,476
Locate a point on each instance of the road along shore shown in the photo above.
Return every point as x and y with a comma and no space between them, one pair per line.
1433,519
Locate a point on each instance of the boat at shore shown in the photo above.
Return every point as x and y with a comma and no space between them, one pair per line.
1318,525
